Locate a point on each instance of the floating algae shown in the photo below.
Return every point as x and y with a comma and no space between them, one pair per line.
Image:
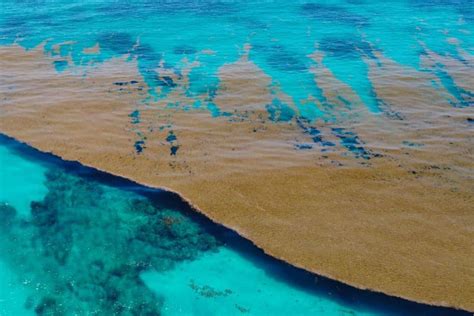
98,244
277,107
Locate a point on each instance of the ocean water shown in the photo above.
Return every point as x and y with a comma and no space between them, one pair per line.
168,36
76,241
94,244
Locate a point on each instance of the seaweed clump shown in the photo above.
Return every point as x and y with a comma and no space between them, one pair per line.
85,245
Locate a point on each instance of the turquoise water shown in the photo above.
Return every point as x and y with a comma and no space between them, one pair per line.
93,244
75,241
170,35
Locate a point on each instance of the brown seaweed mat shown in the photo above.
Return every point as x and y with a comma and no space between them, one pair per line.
399,220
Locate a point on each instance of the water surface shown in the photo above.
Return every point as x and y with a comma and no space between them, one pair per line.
288,120
97,244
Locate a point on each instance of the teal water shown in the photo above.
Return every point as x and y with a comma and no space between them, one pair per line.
75,241
169,36
282,35
93,244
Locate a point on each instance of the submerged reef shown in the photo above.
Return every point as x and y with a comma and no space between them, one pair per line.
85,244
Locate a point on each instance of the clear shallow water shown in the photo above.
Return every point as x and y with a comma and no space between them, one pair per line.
97,244
282,36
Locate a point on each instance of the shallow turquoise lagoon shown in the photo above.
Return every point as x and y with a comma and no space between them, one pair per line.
75,241
282,36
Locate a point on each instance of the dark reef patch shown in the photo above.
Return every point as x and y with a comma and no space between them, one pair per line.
346,47
146,54
118,42
148,61
280,58
333,14
86,244
208,291
13,27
